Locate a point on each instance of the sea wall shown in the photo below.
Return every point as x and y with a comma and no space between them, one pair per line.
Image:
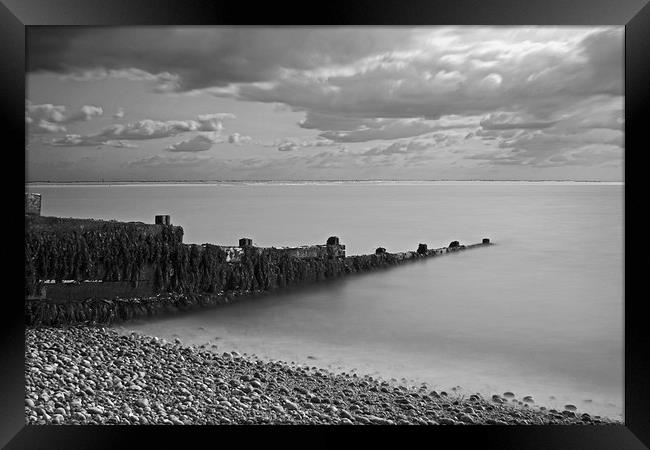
80,270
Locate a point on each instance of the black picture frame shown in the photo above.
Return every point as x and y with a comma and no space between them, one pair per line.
16,15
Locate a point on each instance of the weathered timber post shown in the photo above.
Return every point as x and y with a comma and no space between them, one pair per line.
245,242
33,204
334,248
422,249
163,220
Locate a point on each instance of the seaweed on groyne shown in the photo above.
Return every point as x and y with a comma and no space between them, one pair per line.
79,249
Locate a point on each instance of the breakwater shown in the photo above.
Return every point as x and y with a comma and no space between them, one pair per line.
95,271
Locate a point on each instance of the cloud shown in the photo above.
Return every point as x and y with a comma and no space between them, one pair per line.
585,156
382,129
49,118
146,129
363,130
76,140
173,161
149,129
213,122
392,149
509,121
201,57
291,144
417,145
43,126
358,72
463,76
552,147
588,132
120,144
73,140
594,112
215,116
288,147
238,139
164,80
85,113
47,112
199,143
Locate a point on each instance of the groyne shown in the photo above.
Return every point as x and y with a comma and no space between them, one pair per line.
96,271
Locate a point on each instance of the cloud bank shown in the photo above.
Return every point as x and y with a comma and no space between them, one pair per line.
146,129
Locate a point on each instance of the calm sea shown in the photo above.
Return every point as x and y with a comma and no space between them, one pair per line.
540,313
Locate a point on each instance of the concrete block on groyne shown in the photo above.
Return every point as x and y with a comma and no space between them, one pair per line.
33,204
245,242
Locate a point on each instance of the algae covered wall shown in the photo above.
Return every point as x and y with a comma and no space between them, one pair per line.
60,249
80,270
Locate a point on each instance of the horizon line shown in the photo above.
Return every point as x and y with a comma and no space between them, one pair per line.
312,180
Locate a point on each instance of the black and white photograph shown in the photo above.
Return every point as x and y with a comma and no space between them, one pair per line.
325,225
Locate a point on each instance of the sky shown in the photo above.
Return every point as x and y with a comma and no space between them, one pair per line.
324,103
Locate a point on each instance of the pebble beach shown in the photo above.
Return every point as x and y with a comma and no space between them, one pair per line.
93,375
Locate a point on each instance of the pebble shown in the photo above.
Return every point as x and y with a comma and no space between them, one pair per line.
466,418
344,413
95,410
290,405
447,421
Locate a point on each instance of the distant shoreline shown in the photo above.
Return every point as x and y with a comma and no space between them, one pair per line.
316,182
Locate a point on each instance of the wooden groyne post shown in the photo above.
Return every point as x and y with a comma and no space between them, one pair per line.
163,219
